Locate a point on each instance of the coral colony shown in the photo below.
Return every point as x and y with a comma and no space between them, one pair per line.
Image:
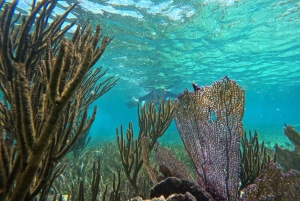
48,82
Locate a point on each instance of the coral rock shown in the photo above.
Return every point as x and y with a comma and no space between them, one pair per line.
181,197
136,199
274,185
290,159
173,185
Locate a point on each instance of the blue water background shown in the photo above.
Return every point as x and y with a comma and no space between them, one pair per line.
267,110
173,43
255,43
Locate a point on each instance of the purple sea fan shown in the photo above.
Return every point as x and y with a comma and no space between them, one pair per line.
209,121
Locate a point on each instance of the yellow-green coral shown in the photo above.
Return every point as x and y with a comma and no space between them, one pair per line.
45,95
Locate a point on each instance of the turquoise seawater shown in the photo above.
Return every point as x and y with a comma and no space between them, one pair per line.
170,44
173,43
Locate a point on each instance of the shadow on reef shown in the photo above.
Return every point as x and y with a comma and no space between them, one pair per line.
48,83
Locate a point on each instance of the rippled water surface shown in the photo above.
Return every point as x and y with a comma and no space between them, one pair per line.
170,44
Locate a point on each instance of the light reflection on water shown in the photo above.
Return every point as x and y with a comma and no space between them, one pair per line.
173,43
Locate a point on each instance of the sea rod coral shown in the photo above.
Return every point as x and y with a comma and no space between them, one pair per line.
48,83
152,123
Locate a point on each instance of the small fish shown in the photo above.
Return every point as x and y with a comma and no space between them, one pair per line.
195,86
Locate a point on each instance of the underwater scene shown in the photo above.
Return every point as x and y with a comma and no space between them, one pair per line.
150,100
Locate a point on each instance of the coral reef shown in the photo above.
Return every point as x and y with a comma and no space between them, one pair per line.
174,185
48,84
262,178
152,123
209,121
290,159
169,165
254,158
274,185
94,185
112,182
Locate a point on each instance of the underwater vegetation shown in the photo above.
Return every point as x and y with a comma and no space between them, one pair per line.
152,126
48,83
290,159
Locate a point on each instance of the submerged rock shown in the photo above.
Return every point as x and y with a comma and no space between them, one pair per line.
173,185
181,197
286,158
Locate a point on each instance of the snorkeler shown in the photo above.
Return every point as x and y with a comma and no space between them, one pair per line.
155,96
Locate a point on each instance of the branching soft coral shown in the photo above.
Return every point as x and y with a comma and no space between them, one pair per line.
286,158
274,185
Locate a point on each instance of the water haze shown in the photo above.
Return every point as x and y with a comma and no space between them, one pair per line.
170,44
